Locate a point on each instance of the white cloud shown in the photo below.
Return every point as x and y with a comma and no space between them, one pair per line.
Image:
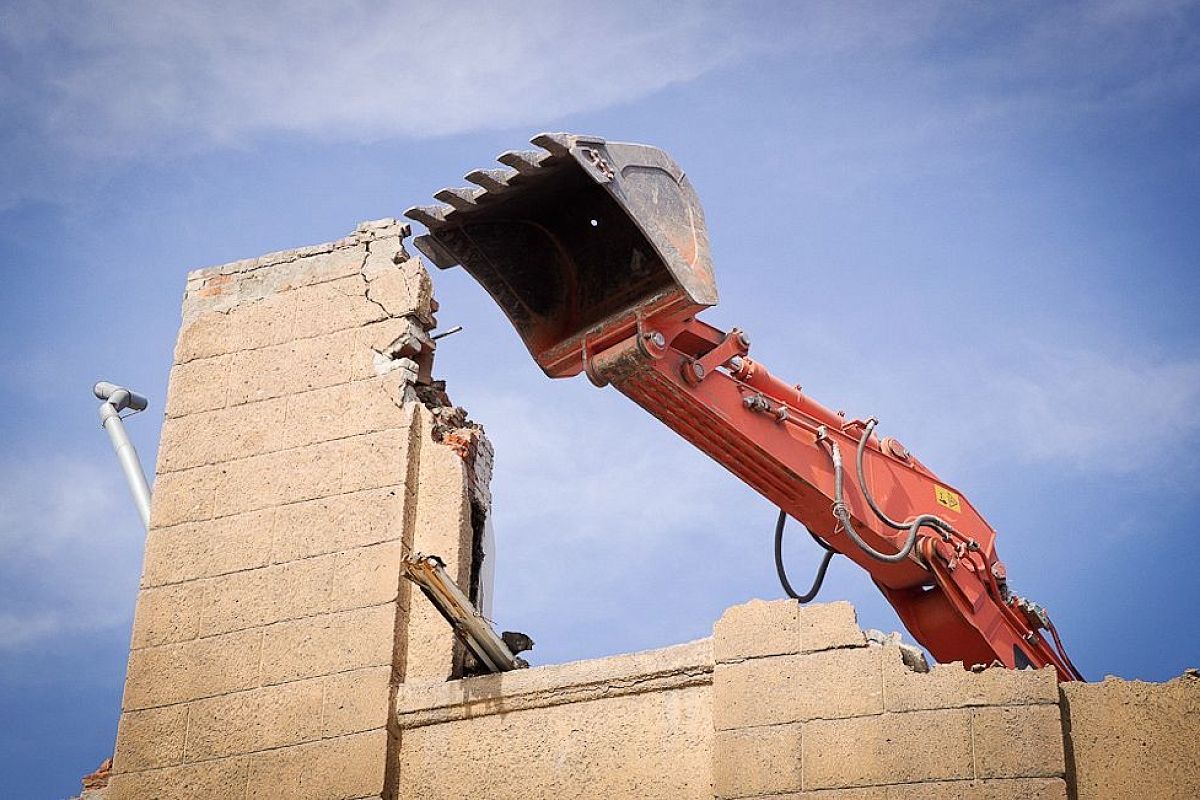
71,528
133,74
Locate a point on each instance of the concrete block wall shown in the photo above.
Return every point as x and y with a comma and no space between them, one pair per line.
803,707
785,702
305,452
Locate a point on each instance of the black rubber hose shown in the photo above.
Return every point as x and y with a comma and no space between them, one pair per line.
843,516
782,572
930,520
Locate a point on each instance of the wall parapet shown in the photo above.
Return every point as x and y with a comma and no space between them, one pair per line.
678,667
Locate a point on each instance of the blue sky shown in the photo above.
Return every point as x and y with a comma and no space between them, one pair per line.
977,222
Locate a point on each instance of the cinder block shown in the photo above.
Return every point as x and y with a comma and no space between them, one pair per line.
250,325
757,761
403,290
356,701
347,409
333,306
329,643
781,627
333,769
167,614
1017,789
224,779
951,686
174,673
887,749
205,549
185,496
366,576
265,595
1018,742
771,691
342,262
200,385
431,652
150,738
341,522
211,437
1134,739
374,460
288,476
297,366
259,719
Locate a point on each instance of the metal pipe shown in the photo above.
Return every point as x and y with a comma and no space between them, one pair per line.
116,399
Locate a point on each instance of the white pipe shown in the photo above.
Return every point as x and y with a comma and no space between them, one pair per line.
115,399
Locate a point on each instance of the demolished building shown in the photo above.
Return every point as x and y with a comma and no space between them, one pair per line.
278,651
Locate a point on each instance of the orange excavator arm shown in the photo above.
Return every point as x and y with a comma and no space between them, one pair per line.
598,253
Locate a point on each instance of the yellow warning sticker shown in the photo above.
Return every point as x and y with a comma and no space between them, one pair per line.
947,498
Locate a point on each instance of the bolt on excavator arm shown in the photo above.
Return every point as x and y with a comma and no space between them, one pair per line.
598,254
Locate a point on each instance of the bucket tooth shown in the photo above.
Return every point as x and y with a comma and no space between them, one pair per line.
524,162
556,144
435,252
492,180
461,198
431,217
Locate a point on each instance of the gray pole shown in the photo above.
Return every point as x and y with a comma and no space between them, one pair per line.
116,399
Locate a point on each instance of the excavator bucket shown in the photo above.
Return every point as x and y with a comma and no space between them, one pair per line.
576,242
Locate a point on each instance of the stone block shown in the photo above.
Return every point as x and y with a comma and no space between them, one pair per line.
150,738
174,673
345,768
329,643
287,476
356,701
757,761
297,366
200,385
333,306
269,594
431,653
772,691
374,460
403,290
1016,789
341,522
167,614
366,576
651,746
211,437
1018,742
205,549
888,749
185,496
341,261
782,627
259,719
349,409
247,326
1134,739
951,686
223,779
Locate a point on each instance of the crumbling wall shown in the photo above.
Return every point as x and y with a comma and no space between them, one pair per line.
305,452
791,702
1134,739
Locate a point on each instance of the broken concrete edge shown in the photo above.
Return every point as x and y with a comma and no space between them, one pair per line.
773,629
364,232
675,667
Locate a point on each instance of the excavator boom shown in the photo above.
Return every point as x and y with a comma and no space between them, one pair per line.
598,254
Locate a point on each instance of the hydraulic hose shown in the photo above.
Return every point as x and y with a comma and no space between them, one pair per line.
782,572
843,516
931,520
